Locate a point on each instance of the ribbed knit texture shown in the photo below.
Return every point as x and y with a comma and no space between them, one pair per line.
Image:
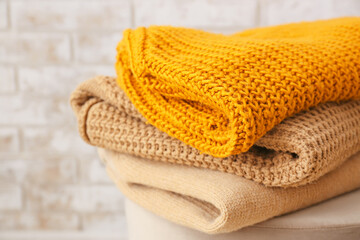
297,151
215,202
220,94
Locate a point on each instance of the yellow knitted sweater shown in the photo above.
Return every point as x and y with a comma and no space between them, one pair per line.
220,93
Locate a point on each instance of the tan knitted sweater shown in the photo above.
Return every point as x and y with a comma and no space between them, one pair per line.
298,151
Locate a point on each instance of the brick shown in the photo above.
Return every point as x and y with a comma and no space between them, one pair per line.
52,169
38,221
34,48
7,79
93,171
70,15
58,81
3,15
95,48
60,140
198,13
103,222
10,196
12,170
22,109
78,198
36,169
9,140
286,11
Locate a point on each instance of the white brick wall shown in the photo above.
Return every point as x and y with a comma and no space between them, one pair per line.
92,48
196,13
34,48
280,11
74,15
10,197
52,184
31,220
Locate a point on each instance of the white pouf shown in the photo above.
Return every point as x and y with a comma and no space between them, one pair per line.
338,218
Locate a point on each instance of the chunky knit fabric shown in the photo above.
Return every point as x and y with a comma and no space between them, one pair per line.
220,94
297,151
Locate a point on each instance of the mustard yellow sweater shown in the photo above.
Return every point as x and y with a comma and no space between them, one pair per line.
221,93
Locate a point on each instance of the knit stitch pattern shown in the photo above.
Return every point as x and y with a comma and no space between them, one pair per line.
297,151
220,93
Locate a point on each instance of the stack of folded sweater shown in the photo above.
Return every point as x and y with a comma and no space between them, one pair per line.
221,132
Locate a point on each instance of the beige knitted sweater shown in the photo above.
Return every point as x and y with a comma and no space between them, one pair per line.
216,202
298,151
